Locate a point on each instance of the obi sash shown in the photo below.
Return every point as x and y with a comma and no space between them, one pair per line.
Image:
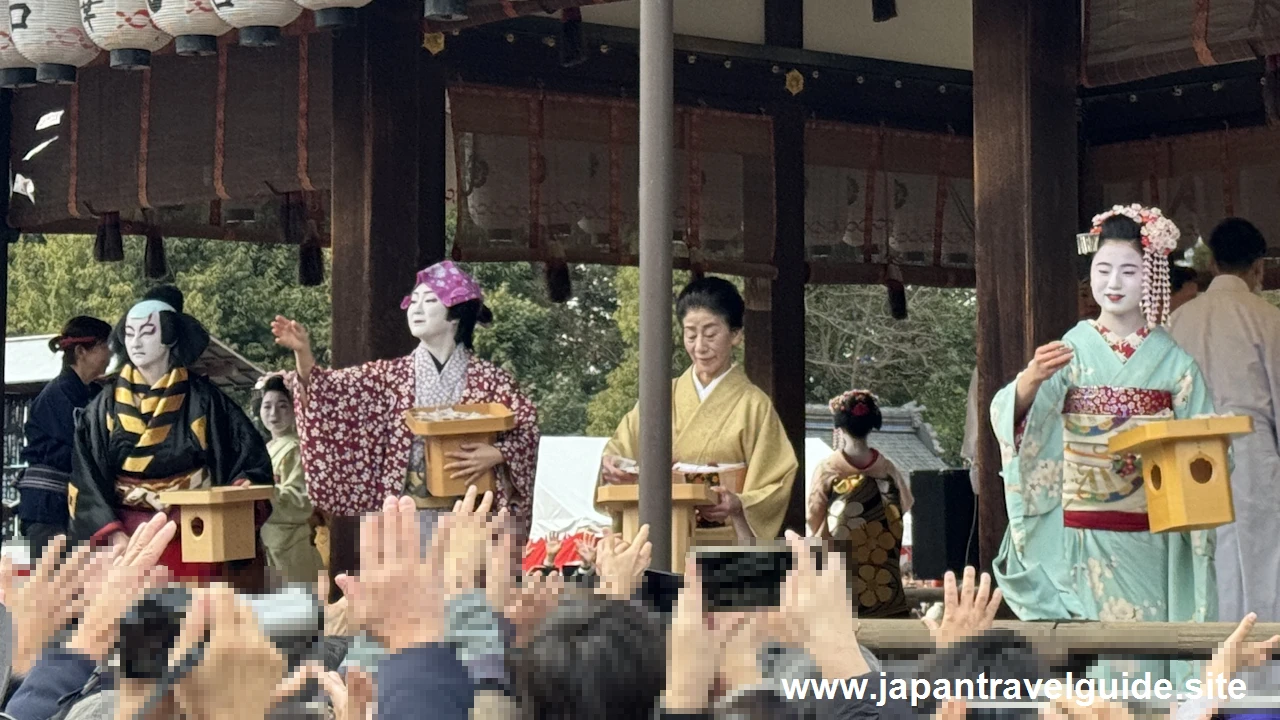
1102,491
140,494
43,477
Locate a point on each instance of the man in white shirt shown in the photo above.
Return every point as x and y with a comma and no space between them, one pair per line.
1234,335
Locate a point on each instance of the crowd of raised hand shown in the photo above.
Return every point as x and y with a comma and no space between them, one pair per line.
462,636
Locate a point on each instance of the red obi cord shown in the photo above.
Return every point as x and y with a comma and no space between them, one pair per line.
1106,520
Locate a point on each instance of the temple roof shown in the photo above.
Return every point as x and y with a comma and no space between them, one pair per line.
905,437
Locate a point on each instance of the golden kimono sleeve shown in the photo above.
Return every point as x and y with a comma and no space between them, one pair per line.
771,470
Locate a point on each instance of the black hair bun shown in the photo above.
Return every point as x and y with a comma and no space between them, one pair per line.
166,294
484,316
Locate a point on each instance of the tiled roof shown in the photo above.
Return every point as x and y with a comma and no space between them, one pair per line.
904,437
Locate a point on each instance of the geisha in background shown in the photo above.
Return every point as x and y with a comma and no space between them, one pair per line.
356,447
1078,544
286,536
858,499
160,427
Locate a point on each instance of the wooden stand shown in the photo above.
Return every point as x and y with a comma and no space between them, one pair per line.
685,497
217,524
1185,469
448,436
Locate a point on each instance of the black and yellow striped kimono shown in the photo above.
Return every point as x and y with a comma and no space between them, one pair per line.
137,440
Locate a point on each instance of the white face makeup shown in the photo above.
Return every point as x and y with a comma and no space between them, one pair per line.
142,342
1116,279
277,413
427,316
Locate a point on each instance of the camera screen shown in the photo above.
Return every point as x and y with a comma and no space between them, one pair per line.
742,579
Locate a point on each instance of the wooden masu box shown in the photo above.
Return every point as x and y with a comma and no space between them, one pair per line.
217,523
442,437
1186,470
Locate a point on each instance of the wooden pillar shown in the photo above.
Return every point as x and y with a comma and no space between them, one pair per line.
380,230
432,126
774,355
6,236
1025,58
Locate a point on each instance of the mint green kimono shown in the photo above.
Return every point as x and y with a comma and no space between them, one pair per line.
1058,472
287,533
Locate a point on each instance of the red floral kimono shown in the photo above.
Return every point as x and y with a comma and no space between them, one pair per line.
356,446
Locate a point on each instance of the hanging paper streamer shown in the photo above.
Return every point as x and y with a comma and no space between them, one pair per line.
51,34
109,245
194,25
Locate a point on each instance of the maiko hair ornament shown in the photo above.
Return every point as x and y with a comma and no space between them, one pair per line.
1159,238
853,401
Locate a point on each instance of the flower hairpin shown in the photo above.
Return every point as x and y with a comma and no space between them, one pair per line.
1159,233
858,399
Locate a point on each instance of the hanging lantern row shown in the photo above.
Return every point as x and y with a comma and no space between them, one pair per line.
47,41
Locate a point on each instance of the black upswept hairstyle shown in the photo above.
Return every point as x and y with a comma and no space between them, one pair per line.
859,415
469,314
1121,228
715,295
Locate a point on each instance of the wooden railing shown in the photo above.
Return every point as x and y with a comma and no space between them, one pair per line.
1056,640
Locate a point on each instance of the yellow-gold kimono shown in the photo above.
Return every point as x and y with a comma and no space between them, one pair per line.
736,424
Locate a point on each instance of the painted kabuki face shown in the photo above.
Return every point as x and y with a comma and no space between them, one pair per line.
1116,278
427,316
142,341
277,413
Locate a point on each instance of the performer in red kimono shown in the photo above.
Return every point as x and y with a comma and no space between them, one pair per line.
356,447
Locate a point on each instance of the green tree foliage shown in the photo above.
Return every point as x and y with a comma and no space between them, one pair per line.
560,353
851,341
235,289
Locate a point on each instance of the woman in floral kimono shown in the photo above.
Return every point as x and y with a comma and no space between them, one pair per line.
286,536
858,499
1078,544
161,427
356,447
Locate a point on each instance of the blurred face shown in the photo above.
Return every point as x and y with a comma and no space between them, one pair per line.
143,344
1187,292
93,361
427,316
277,413
1116,278
709,342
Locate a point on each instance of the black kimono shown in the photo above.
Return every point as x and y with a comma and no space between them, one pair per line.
135,441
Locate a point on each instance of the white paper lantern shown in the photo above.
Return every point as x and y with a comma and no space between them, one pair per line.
50,34
123,28
259,21
334,13
15,70
194,25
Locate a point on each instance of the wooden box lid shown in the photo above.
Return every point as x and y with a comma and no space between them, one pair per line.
218,495
682,492
498,418
1162,431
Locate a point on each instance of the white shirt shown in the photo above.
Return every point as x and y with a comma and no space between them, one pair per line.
703,392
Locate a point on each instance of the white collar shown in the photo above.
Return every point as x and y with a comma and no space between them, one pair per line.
703,392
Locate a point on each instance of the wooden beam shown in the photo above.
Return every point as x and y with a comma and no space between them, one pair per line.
375,214
829,273
774,357
1186,640
784,23
1025,197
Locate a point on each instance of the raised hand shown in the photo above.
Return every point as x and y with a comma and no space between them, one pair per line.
290,334
1048,360
621,564
967,611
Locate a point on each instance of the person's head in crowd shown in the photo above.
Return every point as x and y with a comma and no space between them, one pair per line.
710,312
1184,285
1238,249
997,653
594,657
85,348
276,408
